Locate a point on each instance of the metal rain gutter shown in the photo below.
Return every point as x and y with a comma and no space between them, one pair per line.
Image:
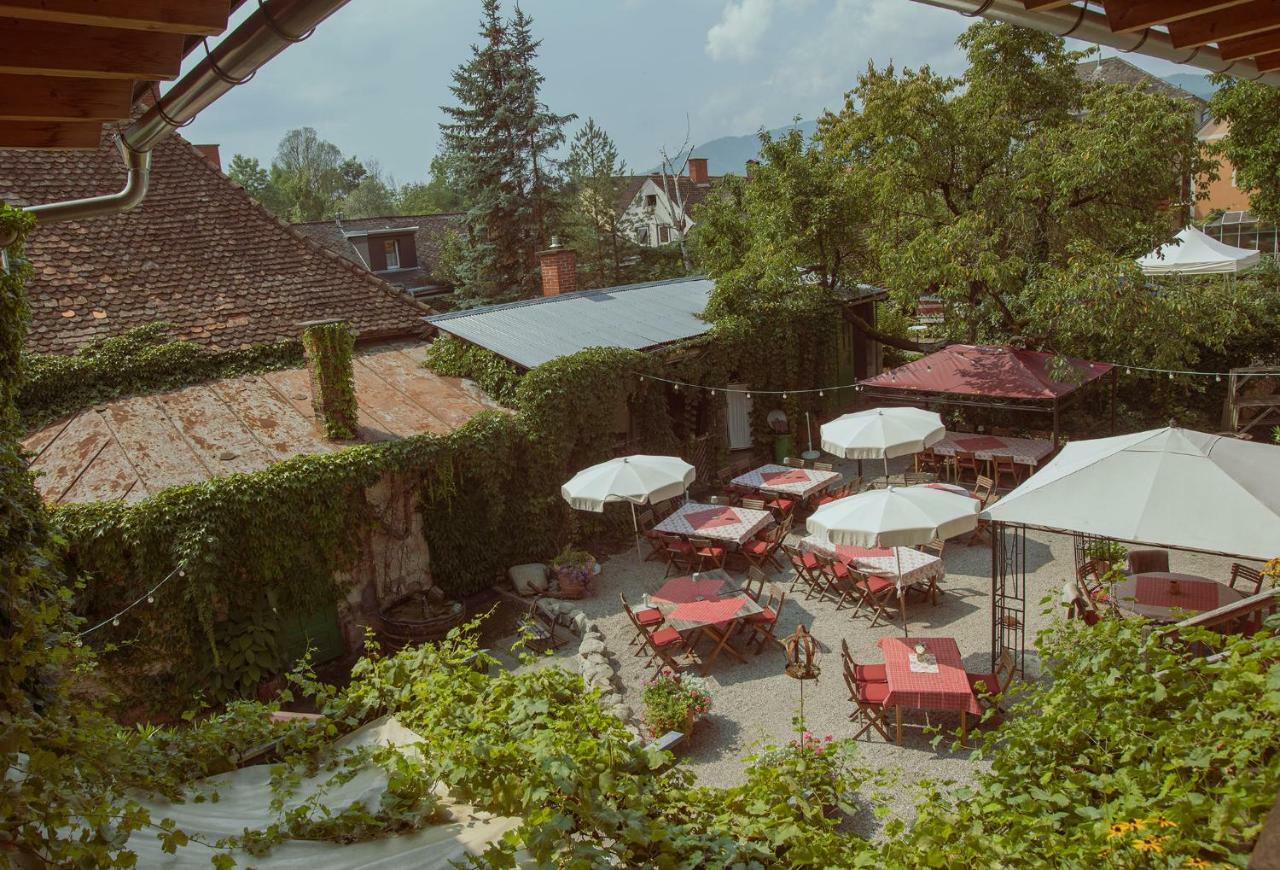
273,27
1079,22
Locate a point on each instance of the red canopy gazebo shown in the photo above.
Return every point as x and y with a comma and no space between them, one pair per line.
991,376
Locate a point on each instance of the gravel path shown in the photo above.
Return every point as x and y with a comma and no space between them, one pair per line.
754,704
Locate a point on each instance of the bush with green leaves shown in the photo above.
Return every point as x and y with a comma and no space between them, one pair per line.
456,358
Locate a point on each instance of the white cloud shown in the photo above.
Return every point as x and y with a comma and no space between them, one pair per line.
740,30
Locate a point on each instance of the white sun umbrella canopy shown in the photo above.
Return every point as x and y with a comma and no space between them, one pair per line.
882,433
900,516
1171,487
1195,253
638,479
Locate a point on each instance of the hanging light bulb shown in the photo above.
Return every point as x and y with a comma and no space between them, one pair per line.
1170,375
784,396
748,395
182,572
1127,372
1217,379
821,394
115,620
151,599
677,388
713,392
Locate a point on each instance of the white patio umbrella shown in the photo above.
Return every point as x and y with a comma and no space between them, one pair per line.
1172,487
882,433
900,516
638,479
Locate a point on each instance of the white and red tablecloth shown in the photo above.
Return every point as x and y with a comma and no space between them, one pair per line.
1152,594
704,601
947,689
784,480
903,565
716,522
1024,451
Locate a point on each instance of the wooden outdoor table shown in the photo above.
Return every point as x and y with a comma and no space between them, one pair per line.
1152,595
705,603
1024,451
945,688
785,480
733,525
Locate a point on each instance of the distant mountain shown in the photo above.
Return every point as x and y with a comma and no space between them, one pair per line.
728,155
1194,83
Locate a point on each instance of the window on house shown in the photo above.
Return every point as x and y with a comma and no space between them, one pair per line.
391,247
1233,178
642,236
664,234
651,200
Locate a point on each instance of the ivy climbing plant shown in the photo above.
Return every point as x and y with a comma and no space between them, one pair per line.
329,346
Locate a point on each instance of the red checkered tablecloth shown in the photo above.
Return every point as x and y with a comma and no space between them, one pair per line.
902,565
696,614
742,528
948,689
1150,595
688,604
1025,451
784,480
681,590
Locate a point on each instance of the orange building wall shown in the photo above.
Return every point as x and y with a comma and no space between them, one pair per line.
1223,195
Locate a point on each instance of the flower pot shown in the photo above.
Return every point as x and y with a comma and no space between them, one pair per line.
689,722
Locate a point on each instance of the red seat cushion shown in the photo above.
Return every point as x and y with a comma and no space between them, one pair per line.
649,616
664,636
766,615
712,552
809,560
756,548
781,503
878,584
840,569
873,693
682,546
989,680
870,673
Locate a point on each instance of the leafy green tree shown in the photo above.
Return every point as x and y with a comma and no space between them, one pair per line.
1253,144
1013,192
256,181
442,192
593,223
372,196
498,139
312,174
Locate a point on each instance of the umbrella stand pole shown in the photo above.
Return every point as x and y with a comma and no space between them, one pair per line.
902,592
635,527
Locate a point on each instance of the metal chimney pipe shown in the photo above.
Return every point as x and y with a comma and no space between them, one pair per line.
273,27
1079,22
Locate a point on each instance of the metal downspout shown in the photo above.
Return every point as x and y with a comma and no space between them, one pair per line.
273,27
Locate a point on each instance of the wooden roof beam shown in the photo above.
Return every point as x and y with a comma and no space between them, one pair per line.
43,48
1268,62
45,134
55,98
1248,46
1244,20
1128,16
205,17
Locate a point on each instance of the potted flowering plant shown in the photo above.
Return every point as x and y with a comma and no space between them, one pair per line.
1112,553
573,569
673,702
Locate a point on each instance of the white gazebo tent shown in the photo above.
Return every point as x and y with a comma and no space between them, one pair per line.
1195,253
1171,487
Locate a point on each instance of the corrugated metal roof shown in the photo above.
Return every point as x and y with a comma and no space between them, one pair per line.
535,331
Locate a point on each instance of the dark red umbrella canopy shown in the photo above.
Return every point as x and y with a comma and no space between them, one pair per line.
986,370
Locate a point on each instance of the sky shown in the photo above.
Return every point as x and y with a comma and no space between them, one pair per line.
373,77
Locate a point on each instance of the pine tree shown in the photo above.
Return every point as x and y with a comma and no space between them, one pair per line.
498,140
594,222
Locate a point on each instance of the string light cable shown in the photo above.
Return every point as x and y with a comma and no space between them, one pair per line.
149,597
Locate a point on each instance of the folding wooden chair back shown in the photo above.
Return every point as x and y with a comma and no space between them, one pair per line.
1144,561
762,624
983,487
1004,467
707,552
754,587
657,548
936,547
868,699
680,555
806,567
967,463
644,620
753,504
1090,576
916,478
823,466
1249,578
838,582
793,462
878,594
862,673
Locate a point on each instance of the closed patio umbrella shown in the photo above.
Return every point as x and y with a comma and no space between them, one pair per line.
900,516
882,433
638,479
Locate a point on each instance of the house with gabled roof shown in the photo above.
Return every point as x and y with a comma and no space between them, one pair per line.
403,250
198,253
658,209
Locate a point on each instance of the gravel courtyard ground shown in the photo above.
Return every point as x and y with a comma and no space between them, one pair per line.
754,703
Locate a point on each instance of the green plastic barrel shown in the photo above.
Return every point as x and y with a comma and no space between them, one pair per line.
782,447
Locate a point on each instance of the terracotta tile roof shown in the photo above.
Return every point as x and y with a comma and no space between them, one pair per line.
431,227
135,447
1118,71
198,253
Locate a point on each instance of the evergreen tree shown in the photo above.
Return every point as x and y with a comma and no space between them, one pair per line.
593,220
497,141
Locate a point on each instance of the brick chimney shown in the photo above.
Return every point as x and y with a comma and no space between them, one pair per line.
559,269
698,170
211,154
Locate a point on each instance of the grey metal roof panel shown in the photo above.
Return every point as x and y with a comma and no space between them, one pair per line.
535,331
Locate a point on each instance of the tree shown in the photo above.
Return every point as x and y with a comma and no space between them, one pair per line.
593,221
372,196
440,193
497,140
312,174
795,228
1253,144
256,181
1012,189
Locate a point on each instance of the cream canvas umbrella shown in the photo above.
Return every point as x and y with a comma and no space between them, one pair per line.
900,516
638,479
882,433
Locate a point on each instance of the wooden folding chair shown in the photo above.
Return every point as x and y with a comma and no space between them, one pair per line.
763,550
707,552
794,463
1251,578
935,547
1090,577
642,620
646,521
995,683
862,673
823,466
868,699
762,624
1144,561
540,628
916,478
754,587
1004,466
983,487
680,555
806,566
753,504
878,593
966,463
838,582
